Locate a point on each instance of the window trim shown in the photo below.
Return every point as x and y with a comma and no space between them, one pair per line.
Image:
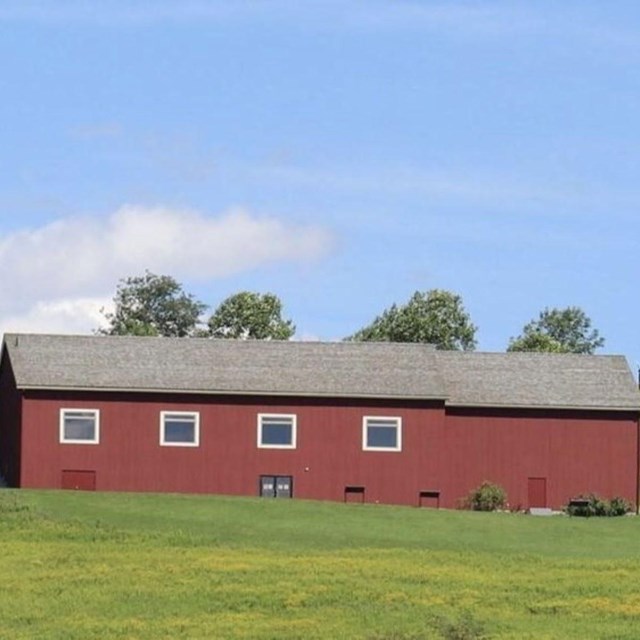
294,430
196,428
365,429
96,433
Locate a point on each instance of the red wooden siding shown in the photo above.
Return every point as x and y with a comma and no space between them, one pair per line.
576,451
449,453
328,456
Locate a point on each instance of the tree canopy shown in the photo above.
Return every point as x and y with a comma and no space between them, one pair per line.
153,305
436,317
248,315
559,330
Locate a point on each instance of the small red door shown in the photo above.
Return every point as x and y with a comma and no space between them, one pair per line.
429,499
354,494
537,492
79,480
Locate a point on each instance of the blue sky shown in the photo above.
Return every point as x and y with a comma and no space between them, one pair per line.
340,154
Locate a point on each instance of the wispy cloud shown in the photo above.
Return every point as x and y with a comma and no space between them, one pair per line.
394,182
346,13
59,270
472,186
466,18
486,18
383,14
127,13
575,23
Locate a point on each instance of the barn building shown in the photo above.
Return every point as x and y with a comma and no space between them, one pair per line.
371,422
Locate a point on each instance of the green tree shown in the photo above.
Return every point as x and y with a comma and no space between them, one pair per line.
558,330
248,315
536,341
436,317
153,305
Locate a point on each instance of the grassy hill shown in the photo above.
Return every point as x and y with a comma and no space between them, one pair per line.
98,565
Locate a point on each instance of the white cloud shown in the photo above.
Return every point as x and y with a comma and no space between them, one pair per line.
59,275
81,315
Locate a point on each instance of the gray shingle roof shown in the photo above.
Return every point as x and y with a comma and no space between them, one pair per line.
329,369
225,366
538,380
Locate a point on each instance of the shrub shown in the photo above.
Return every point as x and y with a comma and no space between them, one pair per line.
619,506
487,497
598,507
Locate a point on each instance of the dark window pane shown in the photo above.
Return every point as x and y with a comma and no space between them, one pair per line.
79,428
277,433
179,431
386,437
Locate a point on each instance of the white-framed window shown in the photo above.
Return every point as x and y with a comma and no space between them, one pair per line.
179,428
381,433
80,426
276,431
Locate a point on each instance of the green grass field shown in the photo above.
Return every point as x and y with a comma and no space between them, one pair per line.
91,565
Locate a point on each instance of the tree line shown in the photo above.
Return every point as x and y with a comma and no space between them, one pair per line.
157,305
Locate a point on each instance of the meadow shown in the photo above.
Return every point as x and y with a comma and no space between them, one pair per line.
84,566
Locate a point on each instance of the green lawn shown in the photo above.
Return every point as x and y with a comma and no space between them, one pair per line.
91,565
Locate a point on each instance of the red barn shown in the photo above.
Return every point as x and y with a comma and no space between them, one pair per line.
371,422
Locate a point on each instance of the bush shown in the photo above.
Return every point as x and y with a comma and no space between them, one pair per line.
619,506
598,507
487,497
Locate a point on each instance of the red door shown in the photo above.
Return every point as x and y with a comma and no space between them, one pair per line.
537,492
429,499
79,480
354,494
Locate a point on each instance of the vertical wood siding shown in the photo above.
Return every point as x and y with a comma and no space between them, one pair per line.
448,452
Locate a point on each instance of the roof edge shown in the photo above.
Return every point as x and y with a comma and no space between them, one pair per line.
209,392
567,407
284,394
